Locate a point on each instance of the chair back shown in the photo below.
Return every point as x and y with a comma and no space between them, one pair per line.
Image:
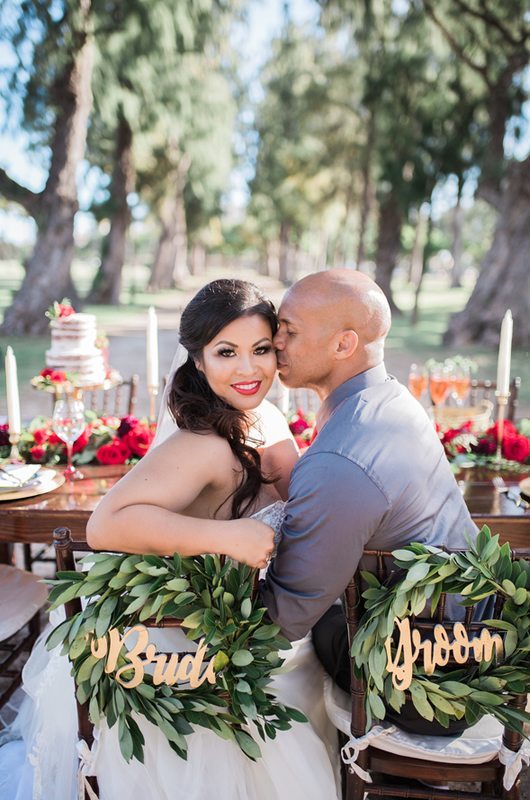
22,596
117,401
381,564
485,390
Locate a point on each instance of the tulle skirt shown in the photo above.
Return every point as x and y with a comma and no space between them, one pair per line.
41,760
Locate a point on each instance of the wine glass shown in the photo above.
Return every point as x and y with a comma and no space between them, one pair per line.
417,382
461,382
440,382
68,422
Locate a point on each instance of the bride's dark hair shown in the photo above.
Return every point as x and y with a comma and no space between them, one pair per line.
192,403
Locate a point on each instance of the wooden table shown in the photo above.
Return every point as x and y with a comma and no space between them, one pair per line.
498,512
34,519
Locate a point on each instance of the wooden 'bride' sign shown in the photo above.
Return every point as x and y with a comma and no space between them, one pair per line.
170,669
438,652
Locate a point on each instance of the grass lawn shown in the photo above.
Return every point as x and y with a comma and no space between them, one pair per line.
405,343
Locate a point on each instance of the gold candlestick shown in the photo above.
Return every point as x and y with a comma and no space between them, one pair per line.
502,402
153,392
14,455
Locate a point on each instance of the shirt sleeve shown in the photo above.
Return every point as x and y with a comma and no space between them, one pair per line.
333,510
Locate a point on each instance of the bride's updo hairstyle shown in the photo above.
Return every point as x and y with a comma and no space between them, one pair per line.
192,403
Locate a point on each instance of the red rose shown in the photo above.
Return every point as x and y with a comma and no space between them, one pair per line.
45,373
509,429
115,452
139,439
54,439
41,435
64,311
82,441
516,448
37,453
57,376
298,425
127,423
4,435
486,446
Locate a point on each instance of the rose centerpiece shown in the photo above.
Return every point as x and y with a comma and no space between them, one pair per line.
104,440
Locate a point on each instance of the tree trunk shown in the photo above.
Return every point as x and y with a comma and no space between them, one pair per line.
106,287
504,278
197,260
425,253
283,258
388,245
47,275
456,249
417,260
366,194
170,267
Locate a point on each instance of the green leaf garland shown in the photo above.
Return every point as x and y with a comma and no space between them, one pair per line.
484,570
215,602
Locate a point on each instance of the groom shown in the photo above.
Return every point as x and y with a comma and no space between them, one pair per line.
376,476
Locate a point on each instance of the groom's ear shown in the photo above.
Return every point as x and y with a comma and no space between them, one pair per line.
346,346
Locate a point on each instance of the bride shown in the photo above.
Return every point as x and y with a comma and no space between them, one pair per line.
228,457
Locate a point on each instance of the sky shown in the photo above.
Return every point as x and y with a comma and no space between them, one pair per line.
251,40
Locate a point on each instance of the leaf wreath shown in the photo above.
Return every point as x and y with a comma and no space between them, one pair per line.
484,570
215,602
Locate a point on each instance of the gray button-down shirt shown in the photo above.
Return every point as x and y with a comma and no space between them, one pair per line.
376,477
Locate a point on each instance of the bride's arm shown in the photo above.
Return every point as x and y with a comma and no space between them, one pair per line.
280,452
142,512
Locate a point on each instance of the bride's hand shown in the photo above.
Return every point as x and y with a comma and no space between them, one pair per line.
252,542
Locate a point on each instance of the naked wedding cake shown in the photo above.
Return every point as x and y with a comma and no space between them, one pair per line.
73,348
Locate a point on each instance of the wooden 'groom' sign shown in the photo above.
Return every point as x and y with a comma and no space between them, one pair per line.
438,652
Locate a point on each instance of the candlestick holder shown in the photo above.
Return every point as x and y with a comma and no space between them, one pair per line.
502,402
14,455
153,393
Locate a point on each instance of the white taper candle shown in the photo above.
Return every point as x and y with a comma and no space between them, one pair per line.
505,355
13,402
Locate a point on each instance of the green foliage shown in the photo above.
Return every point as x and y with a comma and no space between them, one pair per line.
484,570
214,602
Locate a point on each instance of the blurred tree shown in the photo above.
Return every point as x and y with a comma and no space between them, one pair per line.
160,99
54,49
417,115
55,44
492,41
293,184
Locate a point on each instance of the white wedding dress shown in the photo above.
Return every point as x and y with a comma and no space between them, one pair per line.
41,760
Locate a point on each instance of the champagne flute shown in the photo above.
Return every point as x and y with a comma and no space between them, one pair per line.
417,381
439,383
68,422
461,382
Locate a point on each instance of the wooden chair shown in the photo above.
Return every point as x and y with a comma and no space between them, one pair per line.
22,597
485,390
117,401
349,716
65,548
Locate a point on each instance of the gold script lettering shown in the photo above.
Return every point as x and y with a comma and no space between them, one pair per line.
437,653
190,669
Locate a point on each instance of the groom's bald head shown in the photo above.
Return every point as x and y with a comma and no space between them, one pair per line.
340,318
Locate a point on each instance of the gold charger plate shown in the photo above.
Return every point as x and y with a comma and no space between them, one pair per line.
52,480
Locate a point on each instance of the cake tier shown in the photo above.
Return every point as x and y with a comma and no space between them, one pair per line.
86,368
76,333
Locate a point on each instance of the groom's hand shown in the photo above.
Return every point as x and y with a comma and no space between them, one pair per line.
252,542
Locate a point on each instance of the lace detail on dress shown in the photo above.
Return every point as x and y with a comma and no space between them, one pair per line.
274,516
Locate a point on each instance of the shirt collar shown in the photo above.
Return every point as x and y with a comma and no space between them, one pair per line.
371,377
